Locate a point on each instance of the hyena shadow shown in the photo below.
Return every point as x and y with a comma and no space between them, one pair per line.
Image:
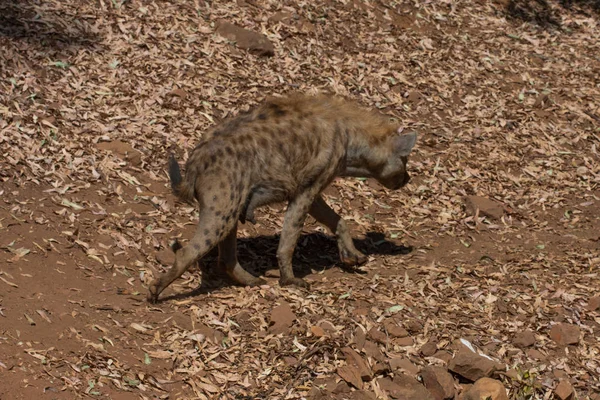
314,252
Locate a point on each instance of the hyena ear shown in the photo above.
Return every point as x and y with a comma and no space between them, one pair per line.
403,144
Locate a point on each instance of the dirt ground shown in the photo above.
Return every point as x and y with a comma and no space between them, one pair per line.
505,96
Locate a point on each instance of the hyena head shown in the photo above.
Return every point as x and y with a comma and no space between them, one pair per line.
392,172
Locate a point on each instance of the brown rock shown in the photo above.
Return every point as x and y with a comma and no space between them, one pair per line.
317,331
403,364
359,338
380,368
378,336
593,303
409,388
413,326
372,350
351,375
123,150
443,355
282,318
524,339
439,382
395,331
535,354
487,208
564,390
246,39
405,341
280,17
354,359
486,389
471,365
429,348
564,334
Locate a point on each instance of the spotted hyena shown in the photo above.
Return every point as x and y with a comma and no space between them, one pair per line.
287,149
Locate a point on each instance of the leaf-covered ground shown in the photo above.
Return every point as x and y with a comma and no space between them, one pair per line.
505,96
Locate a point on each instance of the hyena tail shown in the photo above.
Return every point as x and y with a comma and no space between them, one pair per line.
181,189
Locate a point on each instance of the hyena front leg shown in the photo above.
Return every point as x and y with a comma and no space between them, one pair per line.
321,211
228,260
292,226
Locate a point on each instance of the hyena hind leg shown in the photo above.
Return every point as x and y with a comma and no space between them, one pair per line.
228,260
207,235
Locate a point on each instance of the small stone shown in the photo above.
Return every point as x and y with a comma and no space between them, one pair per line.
535,354
354,359
429,348
486,389
372,350
443,355
396,331
359,338
409,388
404,364
439,382
413,326
565,334
404,342
246,39
380,368
351,375
378,336
471,365
564,390
487,208
593,303
317,331
524,339
282,318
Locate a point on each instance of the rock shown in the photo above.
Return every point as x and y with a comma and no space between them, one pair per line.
380,368
593,303
524,339
405,341
354,359
395,331
439,382
123,150
486,389
535,354
359,338
246,39
404,364
405,388
564,390
282,318
317,331
351,375
372,350
429,348
443,355
280,16
378,336
564,334
413,326
487,208
471,365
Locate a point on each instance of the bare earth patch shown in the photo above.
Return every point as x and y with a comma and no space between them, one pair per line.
484,266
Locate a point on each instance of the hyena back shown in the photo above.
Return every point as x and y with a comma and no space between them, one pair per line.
287,149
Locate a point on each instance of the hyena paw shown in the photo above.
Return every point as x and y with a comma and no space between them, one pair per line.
352,258
153,292
295,282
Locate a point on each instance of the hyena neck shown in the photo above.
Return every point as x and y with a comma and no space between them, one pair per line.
363,154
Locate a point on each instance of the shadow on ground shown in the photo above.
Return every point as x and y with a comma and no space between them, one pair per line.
55,29
545,13
315,252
